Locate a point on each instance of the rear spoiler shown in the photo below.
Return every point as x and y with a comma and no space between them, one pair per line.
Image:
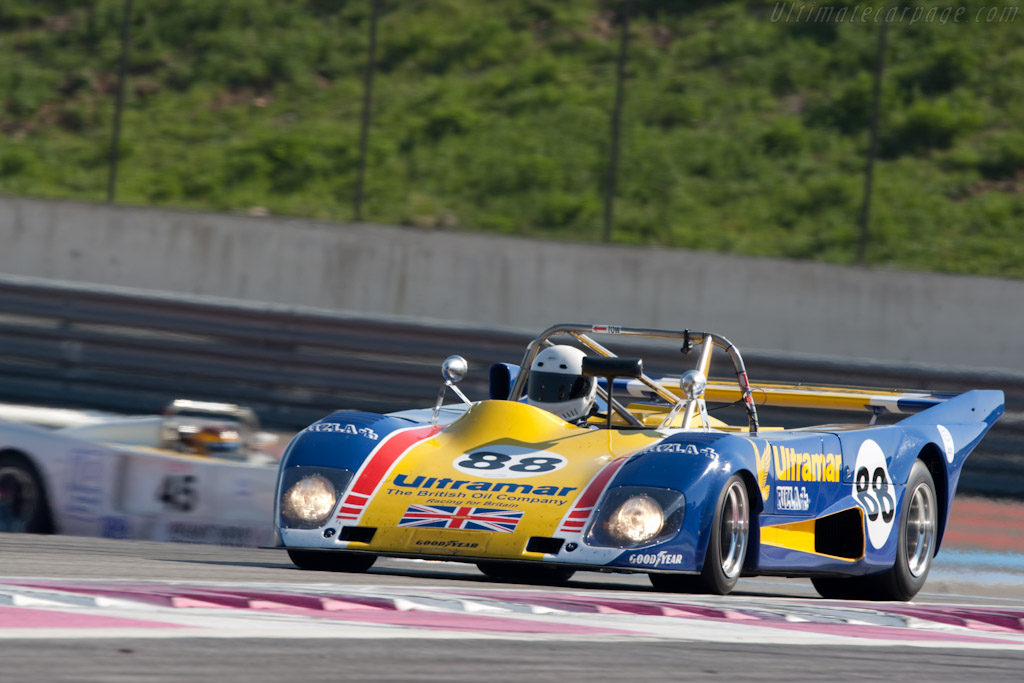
778,394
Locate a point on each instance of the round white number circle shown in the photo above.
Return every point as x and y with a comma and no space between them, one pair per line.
874,492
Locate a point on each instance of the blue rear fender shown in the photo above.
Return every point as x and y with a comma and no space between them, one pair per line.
698,465
942,437
955,428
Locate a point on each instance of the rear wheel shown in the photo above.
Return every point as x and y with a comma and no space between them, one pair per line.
727,547
331,560
915,549
526,573
917,538
23,506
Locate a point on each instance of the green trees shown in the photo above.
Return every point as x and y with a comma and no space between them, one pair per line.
740,132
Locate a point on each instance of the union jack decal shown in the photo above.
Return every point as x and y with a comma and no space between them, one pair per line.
458,517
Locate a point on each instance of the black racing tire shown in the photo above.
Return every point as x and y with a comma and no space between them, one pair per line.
521,572
918,538
23,500
916,542
331,560
727,546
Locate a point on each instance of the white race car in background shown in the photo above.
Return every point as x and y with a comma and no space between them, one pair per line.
201,473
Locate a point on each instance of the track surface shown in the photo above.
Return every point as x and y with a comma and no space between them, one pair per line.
100,610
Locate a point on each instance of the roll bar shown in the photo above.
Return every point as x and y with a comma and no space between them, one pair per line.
688,338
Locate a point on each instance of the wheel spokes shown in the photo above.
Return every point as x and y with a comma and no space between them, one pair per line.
735,529
920,536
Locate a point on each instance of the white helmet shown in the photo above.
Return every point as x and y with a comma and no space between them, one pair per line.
557,384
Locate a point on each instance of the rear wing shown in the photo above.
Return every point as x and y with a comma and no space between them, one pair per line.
778,394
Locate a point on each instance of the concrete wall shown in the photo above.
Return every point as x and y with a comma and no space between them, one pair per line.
765,304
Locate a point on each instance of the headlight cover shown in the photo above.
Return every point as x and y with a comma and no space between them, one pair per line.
309,495
309,500
637,520
636,516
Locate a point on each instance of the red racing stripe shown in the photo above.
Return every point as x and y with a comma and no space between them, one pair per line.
585,505
379,463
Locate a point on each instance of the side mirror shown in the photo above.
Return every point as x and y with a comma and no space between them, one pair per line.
453,369
693,383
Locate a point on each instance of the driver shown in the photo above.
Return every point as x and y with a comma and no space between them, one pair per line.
217,442
556,383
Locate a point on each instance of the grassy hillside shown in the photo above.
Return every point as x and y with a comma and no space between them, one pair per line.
740,133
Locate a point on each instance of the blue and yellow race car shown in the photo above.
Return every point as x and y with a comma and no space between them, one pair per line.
582,459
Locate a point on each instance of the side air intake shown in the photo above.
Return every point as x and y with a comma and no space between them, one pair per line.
840,534
543,544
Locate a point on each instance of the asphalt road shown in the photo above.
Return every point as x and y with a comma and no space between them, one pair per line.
628,641
425,660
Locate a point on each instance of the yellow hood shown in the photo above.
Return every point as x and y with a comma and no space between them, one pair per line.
500,474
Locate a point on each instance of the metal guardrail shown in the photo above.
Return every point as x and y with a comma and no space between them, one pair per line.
106,348
122,350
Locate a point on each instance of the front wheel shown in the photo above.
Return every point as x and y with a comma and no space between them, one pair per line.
727,547
331,561
23,506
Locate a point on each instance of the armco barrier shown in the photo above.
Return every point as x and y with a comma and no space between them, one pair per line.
104,348
68,344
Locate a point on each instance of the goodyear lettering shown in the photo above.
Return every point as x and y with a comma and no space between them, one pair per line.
339,428
656,559
682,449
447,544
433,484
810,467
792,498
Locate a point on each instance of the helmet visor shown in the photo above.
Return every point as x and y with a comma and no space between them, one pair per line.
554,387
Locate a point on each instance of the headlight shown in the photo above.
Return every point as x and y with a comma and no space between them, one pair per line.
638,519
309,500
636,516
